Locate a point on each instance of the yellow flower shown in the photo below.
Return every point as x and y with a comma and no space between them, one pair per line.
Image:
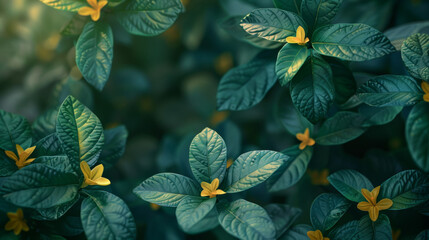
229,162
372,206
319,177
93,177
425,87
316,235
305,139
210,189
300,37
16,222
21,160
94,10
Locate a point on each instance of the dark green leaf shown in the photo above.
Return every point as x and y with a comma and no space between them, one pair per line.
327,209
167,189
397,35
283,216
60,162
415,54
297,232
406,189
7,165
424,235
94,53
115,140
348,231
272,24
48,146
344,82
14,129
417,135
105,216
246,220
196,214
349,183
56,212
45,124
352,42
288,5
289,60
379,230
378,115
207,156
319,12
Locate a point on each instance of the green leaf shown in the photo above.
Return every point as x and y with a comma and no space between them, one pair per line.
378,115
289,116
167,189
397,35
351,42
344,82
75,26
196,214
80,133
246,220
417,135
40,186
272,24
297,232
149,18
283,216
252,168
415,54
423,235
105,216
207,156
390,90
312,89
319,12
288,5
66,5
115,140
94,53
53,213
349,231
341,128
406,189
349,183
14,129
7,165
327,209
292,170
378,230
232,26
48,146
289,60
245,86
60,162
45,124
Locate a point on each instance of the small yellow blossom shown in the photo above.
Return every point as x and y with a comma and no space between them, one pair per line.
229,162
210,189
154,207
305,139
218,117
316,235
319,177
21,160
16,222
93,177
425,87
372,206
300,38
94,10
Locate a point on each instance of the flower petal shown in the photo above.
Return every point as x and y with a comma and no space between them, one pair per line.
102,181
19,149
384,204
95,15
11,155
215,184
364,206
219,192
426,97
300,34
373,213
301,137
29,151
366,194
311,142
302,145
85,169
205,193
292,40
375,192
97,172
25,227
85,11
101,4
10,225
93,3
425,87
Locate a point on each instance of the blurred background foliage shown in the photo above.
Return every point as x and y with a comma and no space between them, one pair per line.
163,89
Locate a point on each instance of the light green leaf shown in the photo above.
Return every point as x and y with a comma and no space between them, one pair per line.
167,189
348,231
317,13
415,54
378,230
196,214
341,128
349,183
272,24
80,133
390,90
105,216
289,60
147,17
398,34
406,189
292,170
312,89
288,5
327,209
66,5
45,124
283,216
246,220
378,115
94,53
297,232
417,135
252,168
352,42
115,140
245,86
207,156
40,186
14,129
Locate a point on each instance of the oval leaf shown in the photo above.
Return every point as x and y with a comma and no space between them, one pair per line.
14,129
288,5
415,54
417,135
349,183
283,216
327,209
378,230
195,214
289,60
319,12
